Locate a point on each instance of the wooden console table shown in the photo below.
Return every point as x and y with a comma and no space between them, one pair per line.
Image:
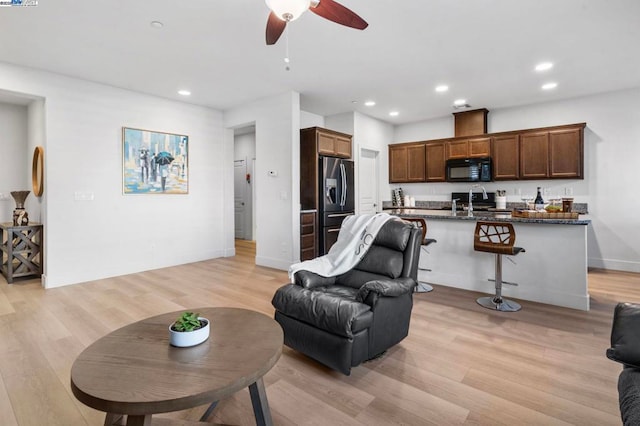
21,250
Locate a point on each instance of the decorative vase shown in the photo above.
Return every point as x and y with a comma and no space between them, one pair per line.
20,215
184,339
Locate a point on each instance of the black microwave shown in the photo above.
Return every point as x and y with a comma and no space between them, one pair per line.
469,170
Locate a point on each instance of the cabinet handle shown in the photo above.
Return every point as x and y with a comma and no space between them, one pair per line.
333,230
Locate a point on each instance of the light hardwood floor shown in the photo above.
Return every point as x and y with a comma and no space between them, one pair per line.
461,363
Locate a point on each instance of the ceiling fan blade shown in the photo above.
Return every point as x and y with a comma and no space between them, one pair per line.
336,12
275,27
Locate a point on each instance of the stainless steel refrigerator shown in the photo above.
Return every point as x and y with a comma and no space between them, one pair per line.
336,202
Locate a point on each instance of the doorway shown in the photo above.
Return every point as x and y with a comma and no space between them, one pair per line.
244,193
368,178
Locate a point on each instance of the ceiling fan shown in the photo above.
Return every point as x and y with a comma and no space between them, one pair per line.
284,11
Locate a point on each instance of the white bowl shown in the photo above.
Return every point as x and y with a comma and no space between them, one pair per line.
184,339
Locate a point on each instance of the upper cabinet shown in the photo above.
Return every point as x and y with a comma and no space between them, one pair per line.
435,170
467,148
470,123
407,162
328,142
545,153
505,155
534,155
417,162
566,153
552,153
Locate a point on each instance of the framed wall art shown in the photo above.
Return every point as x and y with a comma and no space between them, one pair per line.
154,162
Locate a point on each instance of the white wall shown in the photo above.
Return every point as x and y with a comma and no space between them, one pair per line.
373,134
36,137
308,119
344,123
13,146
611,156
116,234
277,121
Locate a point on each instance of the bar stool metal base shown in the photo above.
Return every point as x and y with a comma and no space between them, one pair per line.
498,304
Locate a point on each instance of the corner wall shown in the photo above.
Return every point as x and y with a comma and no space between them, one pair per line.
116,234
277,177
13,149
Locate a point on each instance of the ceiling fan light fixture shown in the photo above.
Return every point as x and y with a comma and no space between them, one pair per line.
288,10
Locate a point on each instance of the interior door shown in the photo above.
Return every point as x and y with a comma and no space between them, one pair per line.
239,186
368,182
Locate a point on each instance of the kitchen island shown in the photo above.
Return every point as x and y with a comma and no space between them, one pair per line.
553,269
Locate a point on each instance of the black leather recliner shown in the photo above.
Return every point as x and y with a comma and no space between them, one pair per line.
344,320
625,349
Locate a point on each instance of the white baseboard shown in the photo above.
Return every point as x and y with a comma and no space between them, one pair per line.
273,263
614,264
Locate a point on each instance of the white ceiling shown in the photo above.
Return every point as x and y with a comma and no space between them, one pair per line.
485,50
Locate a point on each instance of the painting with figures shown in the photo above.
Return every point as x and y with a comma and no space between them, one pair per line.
154,162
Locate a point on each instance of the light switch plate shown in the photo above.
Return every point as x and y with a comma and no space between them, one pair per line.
83,196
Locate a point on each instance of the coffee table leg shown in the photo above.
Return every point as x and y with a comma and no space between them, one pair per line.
144,420
110,419
260,403
207,413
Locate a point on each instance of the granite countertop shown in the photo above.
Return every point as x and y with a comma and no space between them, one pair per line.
480,215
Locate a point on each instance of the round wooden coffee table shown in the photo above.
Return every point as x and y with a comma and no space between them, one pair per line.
134,371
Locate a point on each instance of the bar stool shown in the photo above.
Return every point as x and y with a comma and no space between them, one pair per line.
422,286
497,238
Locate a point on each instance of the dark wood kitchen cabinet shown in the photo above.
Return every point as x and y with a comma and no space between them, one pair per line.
467,148
534,155
407,162
308,236
544,153
327,142
552,153
435,162
505,155
566,153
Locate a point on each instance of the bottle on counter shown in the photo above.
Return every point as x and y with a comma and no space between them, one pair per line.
539,202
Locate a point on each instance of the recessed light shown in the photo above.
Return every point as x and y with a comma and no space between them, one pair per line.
549,86
370,103
184,92
442,88
394,113
156,24
544,66
459,102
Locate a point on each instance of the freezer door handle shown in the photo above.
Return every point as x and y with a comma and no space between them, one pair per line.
343,175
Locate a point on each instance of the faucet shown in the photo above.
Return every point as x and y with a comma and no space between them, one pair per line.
484,197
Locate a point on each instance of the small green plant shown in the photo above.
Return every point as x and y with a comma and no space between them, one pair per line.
188,321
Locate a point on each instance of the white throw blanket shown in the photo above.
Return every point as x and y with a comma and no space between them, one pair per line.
355,237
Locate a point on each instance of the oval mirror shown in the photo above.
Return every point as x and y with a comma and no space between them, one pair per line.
37,171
